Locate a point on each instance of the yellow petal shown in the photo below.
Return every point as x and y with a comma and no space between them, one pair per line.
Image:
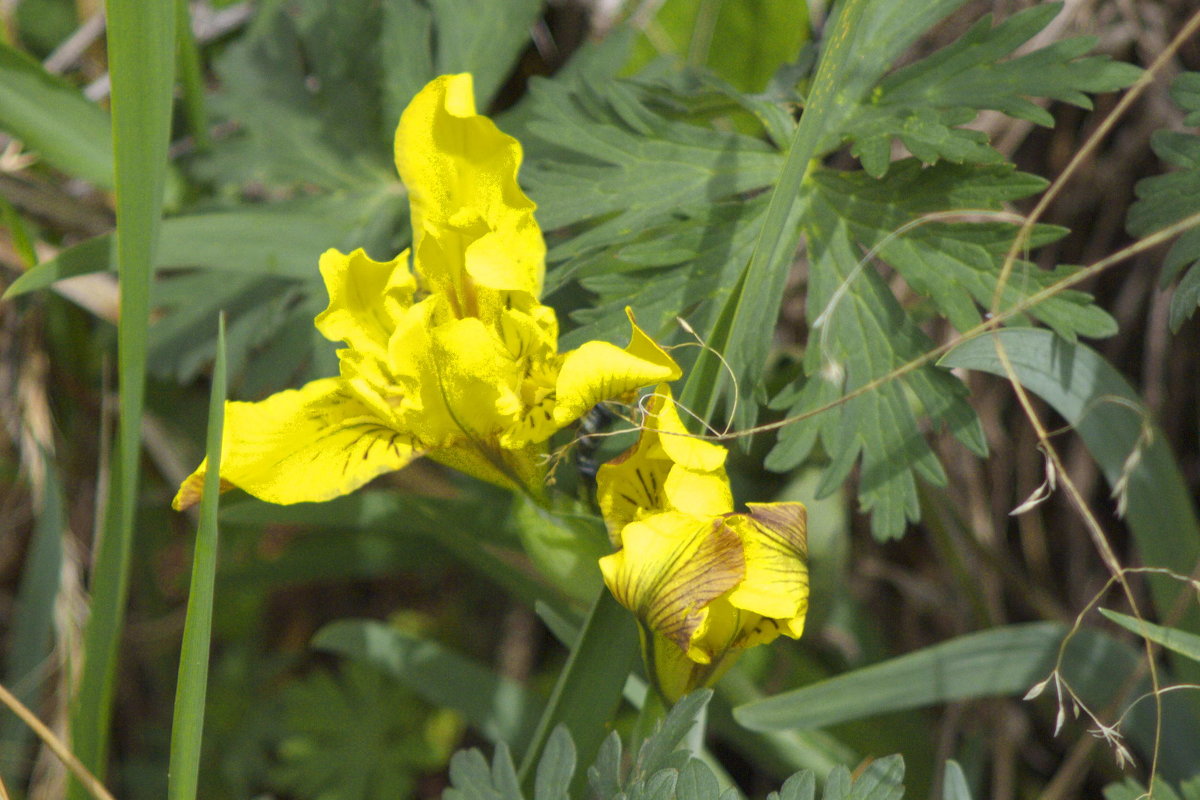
701,493
365,298
303,445
599,371
774,538
671,567
630,486
461,174
680,446
476,376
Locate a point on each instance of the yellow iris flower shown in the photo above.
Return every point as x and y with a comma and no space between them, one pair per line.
456,358
704,582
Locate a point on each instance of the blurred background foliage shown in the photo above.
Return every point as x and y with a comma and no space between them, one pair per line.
654,133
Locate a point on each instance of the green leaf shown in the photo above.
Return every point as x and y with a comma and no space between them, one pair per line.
1165,199
860,332
743,42
745,326
599,153
283,240
590,684
1182,642
867,337
483,39
657,751
187,725
141,47
303,87
924,104
1001,661
53,118
954,783
883,779
501,710
355,732
956,264
556,767
565,544
1103,410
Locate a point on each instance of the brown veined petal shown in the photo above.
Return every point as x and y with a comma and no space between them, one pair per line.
775,541
671,567
303,445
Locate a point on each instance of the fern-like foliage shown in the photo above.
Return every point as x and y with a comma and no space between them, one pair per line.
662,212
661,771
1166,199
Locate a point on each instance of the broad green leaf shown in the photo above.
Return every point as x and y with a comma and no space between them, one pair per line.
565,544
743,42
187,724
31,623
1182,642
53,119
1001,661
1102,408
283,240
924,104
141,48
860,332
1165,199
501,710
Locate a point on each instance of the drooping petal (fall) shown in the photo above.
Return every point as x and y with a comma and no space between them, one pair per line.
461,173
303,445
670,568
599,371
775,542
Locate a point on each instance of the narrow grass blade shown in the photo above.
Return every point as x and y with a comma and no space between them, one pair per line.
191,77
501,710
589,687
1102,408
32,622
187,726
141,49
748,317
53,119
1186,644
